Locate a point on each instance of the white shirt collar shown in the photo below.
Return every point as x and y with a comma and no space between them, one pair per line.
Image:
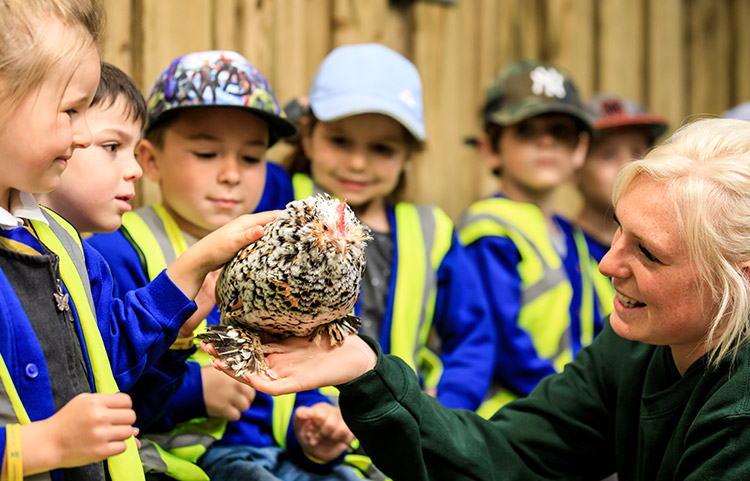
22,206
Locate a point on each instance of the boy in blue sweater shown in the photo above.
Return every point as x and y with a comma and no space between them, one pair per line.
211,117
533,262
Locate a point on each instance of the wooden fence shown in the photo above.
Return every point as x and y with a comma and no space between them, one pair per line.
682,58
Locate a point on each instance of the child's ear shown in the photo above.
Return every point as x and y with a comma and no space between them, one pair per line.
490,153
579,154
147,158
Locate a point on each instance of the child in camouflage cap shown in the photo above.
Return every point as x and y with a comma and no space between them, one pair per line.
533,262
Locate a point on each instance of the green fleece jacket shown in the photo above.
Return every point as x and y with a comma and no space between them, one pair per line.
621,406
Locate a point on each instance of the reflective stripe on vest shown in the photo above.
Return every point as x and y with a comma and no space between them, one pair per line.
546,290
64,240
594,282
157,237
423,238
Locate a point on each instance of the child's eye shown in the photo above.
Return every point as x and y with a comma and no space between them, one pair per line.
71,112
111,147
341,141
250,159
382,149
205,155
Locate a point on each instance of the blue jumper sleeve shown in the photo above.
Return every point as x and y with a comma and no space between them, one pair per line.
138,329
278,190
467,335
518,367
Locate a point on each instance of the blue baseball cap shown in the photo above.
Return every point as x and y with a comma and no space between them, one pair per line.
740,111
368,78
216,78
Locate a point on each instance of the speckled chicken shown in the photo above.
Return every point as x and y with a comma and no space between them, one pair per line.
302,278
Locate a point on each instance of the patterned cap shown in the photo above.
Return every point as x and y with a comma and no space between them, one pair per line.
612,111
529,88
216,78
368,78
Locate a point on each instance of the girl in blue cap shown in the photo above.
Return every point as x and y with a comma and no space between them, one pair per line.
365,128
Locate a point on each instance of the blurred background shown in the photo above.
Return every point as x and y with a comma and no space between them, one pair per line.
681,58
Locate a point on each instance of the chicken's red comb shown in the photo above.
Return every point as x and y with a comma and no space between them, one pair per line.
341,213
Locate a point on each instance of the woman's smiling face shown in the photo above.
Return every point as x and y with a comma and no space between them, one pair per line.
658,299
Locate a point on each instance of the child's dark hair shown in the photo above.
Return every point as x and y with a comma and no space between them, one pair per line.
114,83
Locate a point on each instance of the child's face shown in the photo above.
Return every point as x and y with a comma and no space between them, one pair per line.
98,184
607,155
539,153
358,158
212,167
39,138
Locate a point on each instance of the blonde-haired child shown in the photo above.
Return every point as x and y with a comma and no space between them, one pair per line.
67,347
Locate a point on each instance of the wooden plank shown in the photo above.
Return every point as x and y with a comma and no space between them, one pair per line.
667,69
226,24
569,40
710,57
621,43
446,172
256,41
360,21
118,48
741,52
167,35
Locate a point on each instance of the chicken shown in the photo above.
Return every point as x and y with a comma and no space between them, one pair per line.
302,278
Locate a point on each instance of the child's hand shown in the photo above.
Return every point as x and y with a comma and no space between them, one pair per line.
216,249
88,429
301,365
205,301
224,397
321,431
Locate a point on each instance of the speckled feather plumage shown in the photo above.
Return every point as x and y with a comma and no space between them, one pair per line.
302,278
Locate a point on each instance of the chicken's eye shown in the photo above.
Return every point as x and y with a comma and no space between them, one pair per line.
325,227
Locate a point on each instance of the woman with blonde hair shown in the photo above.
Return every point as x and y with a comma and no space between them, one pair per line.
662,393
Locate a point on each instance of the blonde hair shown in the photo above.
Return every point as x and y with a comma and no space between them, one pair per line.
25,56
706,167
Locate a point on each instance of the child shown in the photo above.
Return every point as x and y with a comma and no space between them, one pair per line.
211,117
365,128
96,188
67,346
623,132
536,135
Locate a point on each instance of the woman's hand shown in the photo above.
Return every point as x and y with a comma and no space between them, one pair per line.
300,364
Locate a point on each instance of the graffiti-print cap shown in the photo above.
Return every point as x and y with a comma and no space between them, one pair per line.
528,88
216,78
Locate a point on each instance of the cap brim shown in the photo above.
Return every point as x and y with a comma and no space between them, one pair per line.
655,124
338,107
579,114
278,127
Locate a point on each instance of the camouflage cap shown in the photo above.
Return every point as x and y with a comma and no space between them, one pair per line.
216,78
611,111
528,88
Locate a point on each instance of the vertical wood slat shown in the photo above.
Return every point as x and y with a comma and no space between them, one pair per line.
621,48
667,71
679,57
710,57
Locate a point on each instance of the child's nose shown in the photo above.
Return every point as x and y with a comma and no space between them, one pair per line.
357,159
230,170
133,170
82,137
